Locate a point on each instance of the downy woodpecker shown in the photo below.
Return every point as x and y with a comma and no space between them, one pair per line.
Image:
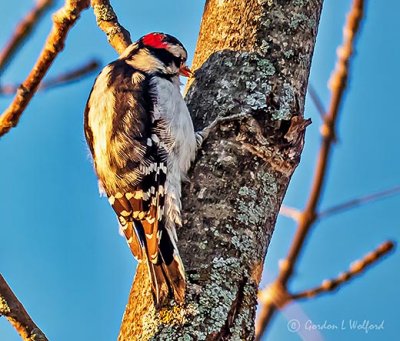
142,140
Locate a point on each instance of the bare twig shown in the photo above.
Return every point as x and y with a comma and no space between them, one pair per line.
338,84
22,31
71,76
118,37
290,212
316,100
63,20
62,79
358,267
296,214
358,202
16,314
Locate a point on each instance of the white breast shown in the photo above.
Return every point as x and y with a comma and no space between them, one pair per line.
172,108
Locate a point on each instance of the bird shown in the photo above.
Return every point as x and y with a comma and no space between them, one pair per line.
142,141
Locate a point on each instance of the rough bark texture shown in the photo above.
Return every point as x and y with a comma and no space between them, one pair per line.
252,56
118,37
16,314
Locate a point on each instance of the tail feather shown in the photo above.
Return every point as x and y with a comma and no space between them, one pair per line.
134,240
167,274
176,279
159,286
172,265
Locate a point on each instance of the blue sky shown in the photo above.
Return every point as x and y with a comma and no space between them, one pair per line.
60,249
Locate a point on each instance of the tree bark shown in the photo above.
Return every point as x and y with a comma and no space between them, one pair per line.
252,57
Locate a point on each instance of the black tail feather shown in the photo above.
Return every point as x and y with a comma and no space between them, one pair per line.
172,265
174,273
167,274
159,285
166,281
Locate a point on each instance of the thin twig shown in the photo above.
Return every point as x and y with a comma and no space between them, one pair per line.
358,267
338,84
118,37
62,79
16,314
290,212
63,20
295,213
358,202
22,31
316,100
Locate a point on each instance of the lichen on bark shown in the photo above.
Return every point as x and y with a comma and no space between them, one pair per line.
252,57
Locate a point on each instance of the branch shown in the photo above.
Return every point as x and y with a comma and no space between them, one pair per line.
279,296
118,37
62,79
316,100
63,20
338,84
358,202
22,31
16,314
290,212
357,268
295,214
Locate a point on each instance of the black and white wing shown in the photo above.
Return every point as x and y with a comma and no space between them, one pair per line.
130,152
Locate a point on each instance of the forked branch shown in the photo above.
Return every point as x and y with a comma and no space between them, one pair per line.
308,217
358,267
63,20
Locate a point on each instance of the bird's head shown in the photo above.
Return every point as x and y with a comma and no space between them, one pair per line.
158,52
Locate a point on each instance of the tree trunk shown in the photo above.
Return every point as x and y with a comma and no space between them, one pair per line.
252,57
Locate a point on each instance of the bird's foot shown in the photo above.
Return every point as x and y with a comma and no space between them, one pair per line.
202,135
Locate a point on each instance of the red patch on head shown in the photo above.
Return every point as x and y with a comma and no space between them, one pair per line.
155,40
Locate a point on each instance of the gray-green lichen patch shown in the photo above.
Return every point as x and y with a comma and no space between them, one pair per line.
249,212
286,101
265,66
288,53
252,205
269,189
207,315
223,91
298,19
300,3
185,337
216,297
245,191
244,319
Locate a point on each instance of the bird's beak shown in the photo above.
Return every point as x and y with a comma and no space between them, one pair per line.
185,71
